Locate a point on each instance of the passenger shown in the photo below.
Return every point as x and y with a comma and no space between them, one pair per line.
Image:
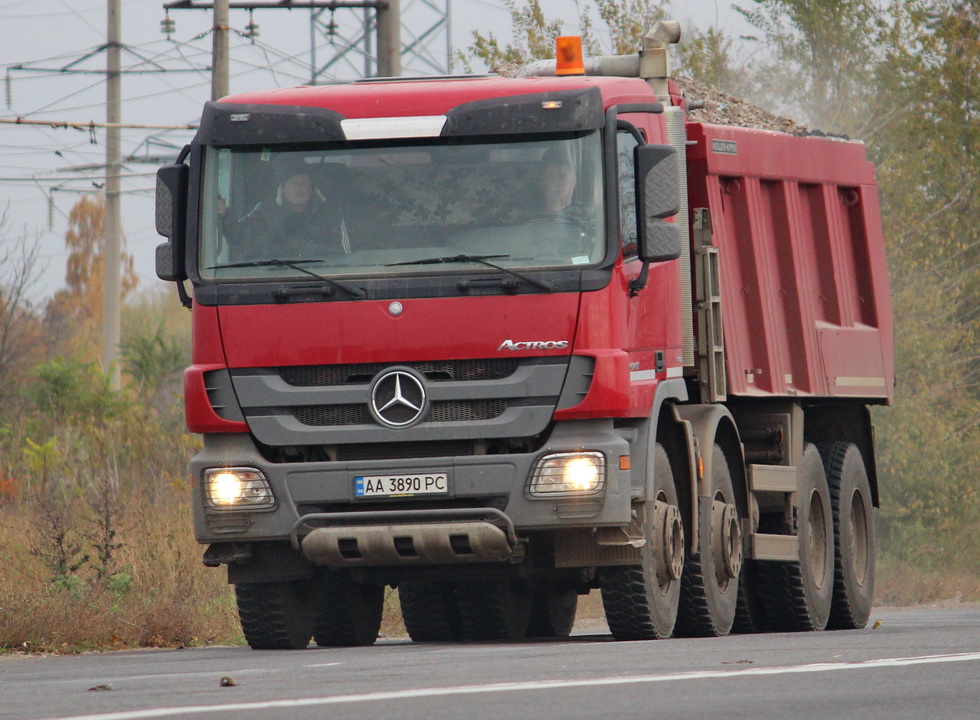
558,181
300,224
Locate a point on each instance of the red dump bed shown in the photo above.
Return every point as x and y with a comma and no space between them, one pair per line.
804,285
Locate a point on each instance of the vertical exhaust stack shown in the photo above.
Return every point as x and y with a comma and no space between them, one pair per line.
655,69
654,58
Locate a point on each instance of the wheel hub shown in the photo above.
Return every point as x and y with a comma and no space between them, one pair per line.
670,553
726,533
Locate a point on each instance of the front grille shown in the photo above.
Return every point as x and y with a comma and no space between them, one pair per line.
363,373
458,411
332,415
355,414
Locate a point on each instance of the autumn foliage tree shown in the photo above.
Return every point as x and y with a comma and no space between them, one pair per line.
74,315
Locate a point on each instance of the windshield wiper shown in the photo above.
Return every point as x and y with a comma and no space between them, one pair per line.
354,292
482,260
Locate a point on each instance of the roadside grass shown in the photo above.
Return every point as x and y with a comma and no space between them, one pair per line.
159,594
899,584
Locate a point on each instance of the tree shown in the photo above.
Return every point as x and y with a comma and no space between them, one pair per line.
625,21
21,337
628,21
928,169
534,39
155,360
710,57
818,57
74,315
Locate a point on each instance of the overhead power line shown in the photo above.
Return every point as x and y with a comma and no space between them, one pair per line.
91,125
56,124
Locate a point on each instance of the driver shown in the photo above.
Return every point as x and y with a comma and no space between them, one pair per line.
299,224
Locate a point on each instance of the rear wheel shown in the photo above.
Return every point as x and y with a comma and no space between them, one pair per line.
553,607
430,611
277,615
348,613
709,591
798,595
641,601
495,609
855,545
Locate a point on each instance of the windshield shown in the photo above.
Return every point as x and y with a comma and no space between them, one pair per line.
376,210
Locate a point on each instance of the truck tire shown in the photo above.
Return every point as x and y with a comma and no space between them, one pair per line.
797,595
750,616
348,613
277,615
709,587
553,607
641,601
495,609
855,544
430,611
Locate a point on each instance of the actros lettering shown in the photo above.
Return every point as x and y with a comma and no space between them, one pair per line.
533,345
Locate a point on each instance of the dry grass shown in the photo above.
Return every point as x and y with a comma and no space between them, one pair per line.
900,585
160,595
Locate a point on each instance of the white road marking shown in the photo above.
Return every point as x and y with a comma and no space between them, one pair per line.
526,686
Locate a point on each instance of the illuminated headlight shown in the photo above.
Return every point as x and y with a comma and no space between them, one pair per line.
568,475
237,489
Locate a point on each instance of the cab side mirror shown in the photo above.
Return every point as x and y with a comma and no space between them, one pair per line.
657,197
171,221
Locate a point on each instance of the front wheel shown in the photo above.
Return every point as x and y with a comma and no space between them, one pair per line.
498,609
277,615
641,601
348,613
430,611
553,607
855,545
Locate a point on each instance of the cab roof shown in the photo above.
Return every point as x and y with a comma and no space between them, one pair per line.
403,97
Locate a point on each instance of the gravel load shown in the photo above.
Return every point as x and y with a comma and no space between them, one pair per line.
720,108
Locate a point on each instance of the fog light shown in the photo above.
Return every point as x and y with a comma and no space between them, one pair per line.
568,475
237,488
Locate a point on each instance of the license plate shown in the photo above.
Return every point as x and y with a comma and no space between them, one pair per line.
403,485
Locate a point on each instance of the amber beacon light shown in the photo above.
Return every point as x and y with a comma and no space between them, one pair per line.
568,56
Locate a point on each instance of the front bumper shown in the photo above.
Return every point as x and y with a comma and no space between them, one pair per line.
482,518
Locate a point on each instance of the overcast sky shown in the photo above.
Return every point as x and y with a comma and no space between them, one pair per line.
43,170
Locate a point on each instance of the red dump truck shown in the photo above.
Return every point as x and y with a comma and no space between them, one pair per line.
500,341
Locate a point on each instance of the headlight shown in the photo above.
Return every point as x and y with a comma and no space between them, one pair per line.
568,475
237,488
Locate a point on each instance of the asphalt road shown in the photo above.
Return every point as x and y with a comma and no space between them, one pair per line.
922,663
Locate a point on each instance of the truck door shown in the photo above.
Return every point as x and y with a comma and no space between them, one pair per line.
653,319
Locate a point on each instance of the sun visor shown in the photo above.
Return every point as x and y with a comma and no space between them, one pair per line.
255,124
554,111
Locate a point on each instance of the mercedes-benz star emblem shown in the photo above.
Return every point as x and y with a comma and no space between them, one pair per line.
398,398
